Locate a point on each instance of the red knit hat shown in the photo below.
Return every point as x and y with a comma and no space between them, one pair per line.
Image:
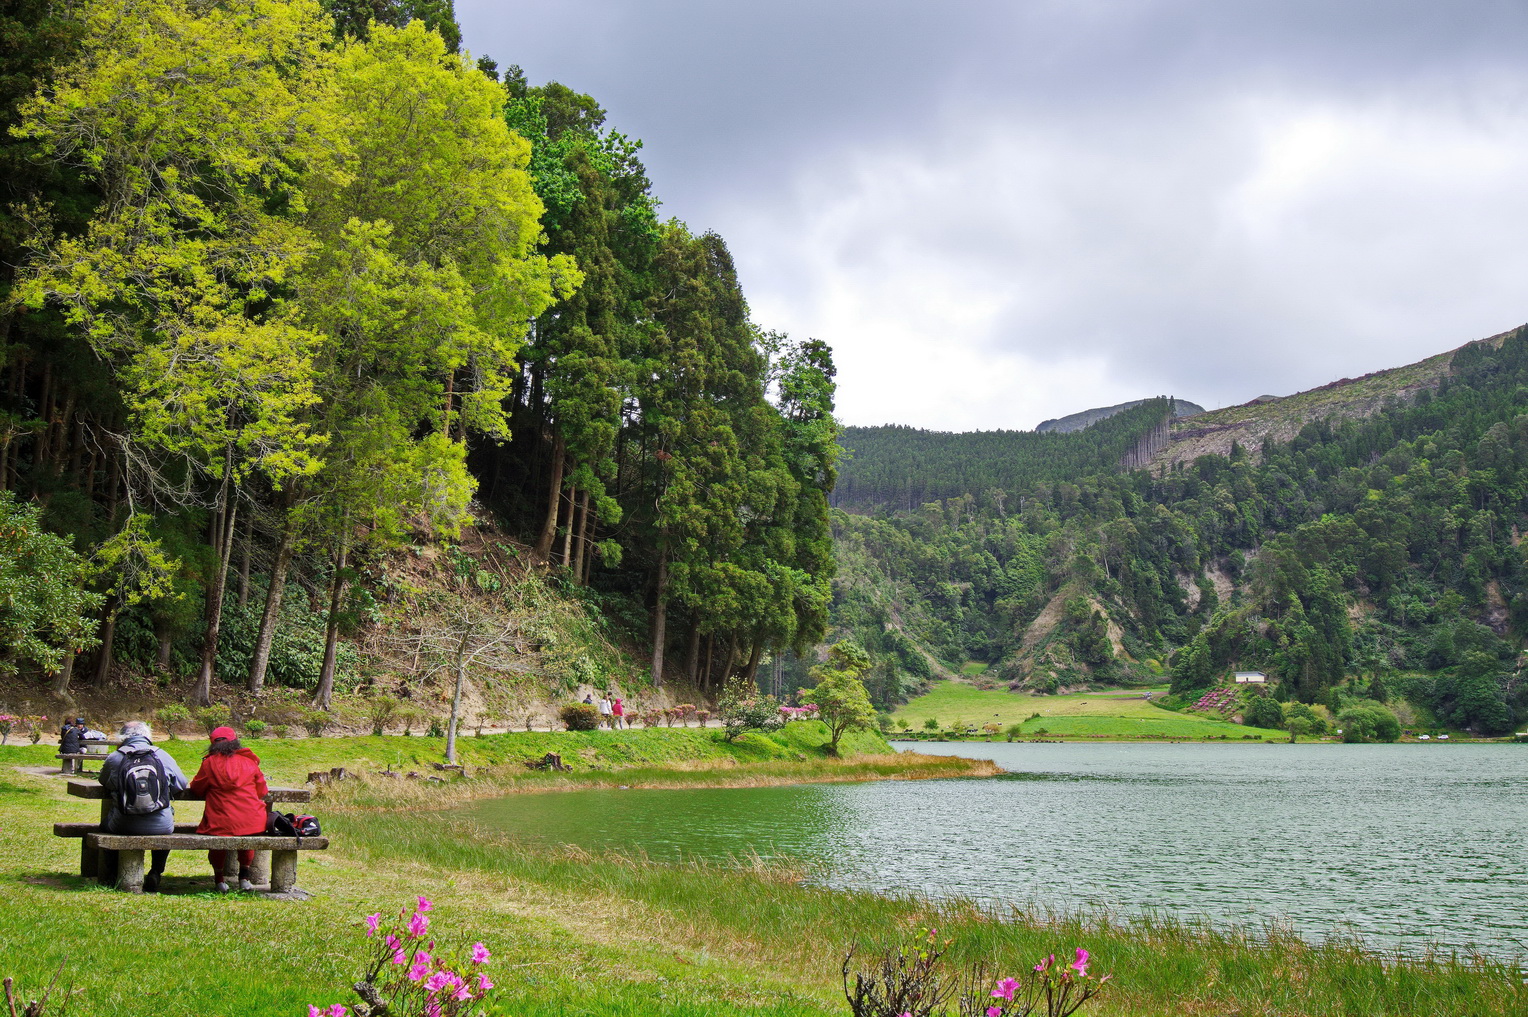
219,733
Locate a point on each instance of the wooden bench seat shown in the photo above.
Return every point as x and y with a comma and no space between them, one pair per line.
129,849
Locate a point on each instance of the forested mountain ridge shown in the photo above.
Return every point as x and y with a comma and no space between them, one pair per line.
1380,548
1087,418
292,287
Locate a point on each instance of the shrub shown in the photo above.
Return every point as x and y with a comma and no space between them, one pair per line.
1369,723
702,716
915,979
173,716
315,721
380,711
742,708
254,727
411,972
437,728
1264,711
991,729
282,730
216,715
1014,730
652,718
579,717
932,724
903,724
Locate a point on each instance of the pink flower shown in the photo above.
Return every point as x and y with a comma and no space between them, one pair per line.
314,1011
392,942
484,984
1080,965
337,1010
372,921
1044,965
1005,989
399,957
432,1009
462,993
421,967
994,1011
436,982
425,905
479,953
418,926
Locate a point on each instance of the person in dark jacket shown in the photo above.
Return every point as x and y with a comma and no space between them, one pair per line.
69,739
136,739
234,788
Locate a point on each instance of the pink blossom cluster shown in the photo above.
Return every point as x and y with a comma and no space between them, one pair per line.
1061,987
412,976
1218,700
806,711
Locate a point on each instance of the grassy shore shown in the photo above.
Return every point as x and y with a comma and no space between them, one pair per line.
577,934
1080,716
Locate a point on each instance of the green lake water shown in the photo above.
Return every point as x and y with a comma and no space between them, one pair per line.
1405,845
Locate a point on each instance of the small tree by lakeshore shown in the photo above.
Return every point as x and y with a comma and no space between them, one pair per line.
841,698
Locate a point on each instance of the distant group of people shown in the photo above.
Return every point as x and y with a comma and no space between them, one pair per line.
75,733
143,778
611,709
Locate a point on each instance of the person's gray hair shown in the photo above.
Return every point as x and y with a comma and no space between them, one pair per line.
137,727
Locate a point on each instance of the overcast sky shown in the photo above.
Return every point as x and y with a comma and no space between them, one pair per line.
1000,212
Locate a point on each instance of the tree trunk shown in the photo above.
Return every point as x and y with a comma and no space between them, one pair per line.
731,658
325,693
249,543
269,618
61,680
543,550
456,696
223,551
567,533
692,653
108,636
710,658
582,541
590,516
752,674
660,619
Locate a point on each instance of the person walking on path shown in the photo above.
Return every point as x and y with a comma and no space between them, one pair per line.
606,716
234,788
618,712
142,778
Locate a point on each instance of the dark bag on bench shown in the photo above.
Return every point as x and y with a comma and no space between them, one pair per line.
279,824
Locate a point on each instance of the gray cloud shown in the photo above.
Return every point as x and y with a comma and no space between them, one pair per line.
1002,212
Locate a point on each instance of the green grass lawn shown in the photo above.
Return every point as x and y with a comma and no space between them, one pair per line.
1079,715
576,934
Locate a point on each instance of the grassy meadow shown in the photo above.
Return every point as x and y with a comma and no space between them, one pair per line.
575,934
1081,715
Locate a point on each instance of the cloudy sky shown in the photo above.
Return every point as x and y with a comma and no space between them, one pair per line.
998,212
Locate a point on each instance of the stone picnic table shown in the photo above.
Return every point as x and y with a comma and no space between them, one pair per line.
117,859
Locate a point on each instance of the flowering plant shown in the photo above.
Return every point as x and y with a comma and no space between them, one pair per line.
34,727
7,721
409,975
912,980
806,711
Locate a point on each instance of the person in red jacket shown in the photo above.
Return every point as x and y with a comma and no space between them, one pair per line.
231,783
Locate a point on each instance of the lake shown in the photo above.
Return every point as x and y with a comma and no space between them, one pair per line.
1404,845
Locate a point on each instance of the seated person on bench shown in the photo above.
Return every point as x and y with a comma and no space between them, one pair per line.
234,788
142,778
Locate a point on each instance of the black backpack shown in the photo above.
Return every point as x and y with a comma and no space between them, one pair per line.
142,788
284,824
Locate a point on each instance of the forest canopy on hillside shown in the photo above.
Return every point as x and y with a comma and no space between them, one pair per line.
290,286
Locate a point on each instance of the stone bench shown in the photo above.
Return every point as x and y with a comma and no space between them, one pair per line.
74,761
129,849
101,857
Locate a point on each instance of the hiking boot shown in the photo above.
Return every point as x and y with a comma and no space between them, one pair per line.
151,882
222,887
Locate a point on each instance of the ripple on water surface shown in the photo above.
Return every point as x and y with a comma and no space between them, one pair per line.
1405,845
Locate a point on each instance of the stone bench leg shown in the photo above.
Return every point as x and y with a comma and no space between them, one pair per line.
130,870
87,859
283,871
260,872
230,867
